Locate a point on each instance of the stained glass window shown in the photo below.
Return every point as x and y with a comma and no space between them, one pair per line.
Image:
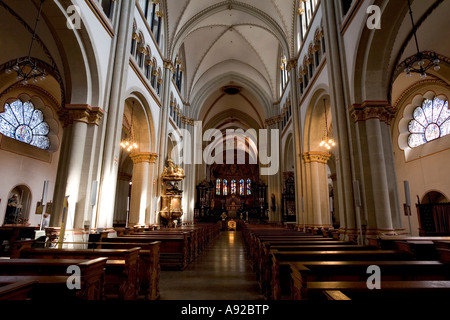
225,187
218,185
241,187
233,186
22,122
249,187
431,121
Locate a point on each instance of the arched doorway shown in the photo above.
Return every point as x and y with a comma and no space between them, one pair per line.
18,206
434,214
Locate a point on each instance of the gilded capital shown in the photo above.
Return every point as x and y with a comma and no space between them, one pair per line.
81,113
382,111
316,156
141,157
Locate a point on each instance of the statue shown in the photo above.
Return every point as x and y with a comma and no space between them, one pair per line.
172,172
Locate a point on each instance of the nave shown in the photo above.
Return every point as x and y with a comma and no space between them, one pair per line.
222,273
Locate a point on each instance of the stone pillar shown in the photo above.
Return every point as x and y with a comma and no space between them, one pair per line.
162,134
339,88
380,190
298,137
139,188
73,171
150,216
275,184
317,198
113,127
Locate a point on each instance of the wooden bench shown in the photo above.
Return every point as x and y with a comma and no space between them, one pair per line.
390,290
149,267
304,272
51,277
420,250
280,272
121,271
389,242
20,290
263,259
173,248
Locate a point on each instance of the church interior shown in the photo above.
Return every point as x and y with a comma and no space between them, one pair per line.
224,149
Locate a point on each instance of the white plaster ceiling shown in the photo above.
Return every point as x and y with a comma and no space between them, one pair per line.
231,39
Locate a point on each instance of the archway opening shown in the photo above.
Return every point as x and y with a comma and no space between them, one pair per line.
18,207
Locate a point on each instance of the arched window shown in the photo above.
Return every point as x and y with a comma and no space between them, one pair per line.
249,187
233,186
242,187
22,122
225,187
430,122
218,185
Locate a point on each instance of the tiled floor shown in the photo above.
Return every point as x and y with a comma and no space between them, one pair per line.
222,272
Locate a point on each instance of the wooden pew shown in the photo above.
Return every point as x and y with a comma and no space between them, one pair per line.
20,290
390,290
51,277
149,267
121,272
280,277
420,250
304,272
173,248
389,242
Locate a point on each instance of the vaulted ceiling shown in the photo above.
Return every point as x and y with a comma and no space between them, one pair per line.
231,43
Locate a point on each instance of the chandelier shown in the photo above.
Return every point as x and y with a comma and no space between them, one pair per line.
129,144
27,69
327,141
421,62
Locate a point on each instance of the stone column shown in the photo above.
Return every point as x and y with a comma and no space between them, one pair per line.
339,88
73,171
380,190
139,188
162,134
275,184
113,127
150,216
298,137
317,198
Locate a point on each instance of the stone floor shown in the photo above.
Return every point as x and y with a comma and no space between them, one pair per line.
222,272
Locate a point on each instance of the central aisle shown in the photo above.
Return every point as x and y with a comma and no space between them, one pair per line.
222,272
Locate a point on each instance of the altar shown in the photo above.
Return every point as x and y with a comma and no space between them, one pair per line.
233,205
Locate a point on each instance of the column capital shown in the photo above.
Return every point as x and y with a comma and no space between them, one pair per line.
292,64
168,64
316,156
81,113
141,157
274,120
380,110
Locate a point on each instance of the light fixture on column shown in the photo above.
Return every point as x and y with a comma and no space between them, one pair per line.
27,69
421,62
129,143
301,10
327,141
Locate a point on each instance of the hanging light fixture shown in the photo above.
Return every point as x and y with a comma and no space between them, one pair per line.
421,62
327,141
27,69
129,144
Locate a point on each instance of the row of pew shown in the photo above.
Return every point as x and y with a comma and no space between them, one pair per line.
291,265
126,267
